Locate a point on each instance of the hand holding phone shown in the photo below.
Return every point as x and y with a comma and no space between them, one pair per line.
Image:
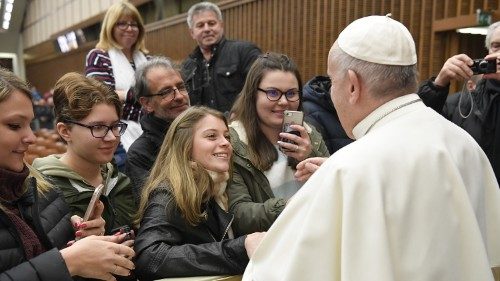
291,117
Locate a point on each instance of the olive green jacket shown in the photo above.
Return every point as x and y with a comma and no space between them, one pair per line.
251,199
118,198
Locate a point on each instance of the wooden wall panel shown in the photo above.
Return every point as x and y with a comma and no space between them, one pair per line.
302,29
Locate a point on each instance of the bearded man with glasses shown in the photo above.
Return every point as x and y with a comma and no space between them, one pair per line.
163,96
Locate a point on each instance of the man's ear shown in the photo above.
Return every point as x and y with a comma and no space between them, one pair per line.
354,86
192,33
146,104
63,131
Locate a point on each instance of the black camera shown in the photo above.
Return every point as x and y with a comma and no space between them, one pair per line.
482,66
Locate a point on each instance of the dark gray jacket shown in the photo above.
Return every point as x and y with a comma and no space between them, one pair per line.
49,217
168,246
143,152
218,82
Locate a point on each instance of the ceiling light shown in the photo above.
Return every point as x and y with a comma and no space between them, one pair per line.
8,7
474,30
5,25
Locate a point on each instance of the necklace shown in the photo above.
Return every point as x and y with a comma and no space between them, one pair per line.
391,111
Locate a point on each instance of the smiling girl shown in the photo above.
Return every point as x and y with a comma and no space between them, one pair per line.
185,227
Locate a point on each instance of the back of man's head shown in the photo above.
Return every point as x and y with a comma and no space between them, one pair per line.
141,73
201,7
382,52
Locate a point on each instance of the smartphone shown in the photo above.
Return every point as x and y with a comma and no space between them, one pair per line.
291,117
93,202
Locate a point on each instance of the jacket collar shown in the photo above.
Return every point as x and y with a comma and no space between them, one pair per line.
156,127
197,55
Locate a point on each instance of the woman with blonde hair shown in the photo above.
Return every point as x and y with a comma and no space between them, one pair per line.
35,223
121,48
185,229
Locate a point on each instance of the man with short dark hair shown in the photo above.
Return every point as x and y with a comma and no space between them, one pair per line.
163,96
413,198
216,70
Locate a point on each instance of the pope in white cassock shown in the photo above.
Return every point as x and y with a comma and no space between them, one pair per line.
413,198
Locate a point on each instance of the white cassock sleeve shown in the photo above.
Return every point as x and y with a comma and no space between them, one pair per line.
365,221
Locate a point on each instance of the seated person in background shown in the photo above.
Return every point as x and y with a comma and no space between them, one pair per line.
185,229
35,222
163,95
320,113
263,175
413,198
88,120
477,112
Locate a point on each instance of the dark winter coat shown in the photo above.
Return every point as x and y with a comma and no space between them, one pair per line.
168,246
218,82
49,217
320,113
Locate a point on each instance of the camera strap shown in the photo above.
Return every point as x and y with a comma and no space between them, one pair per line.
465,91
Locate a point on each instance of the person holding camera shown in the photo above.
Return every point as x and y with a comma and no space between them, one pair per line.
477,111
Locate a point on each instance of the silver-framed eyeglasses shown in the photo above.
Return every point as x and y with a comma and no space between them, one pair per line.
169,93
275,94
123,25
100,131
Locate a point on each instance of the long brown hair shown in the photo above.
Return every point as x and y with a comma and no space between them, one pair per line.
261,151
189,183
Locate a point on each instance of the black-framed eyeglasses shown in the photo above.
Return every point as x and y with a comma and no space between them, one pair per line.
275,94
100,131
123,25
169,93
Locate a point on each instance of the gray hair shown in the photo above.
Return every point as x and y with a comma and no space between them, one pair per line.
381,80
141,81
200,7
491,29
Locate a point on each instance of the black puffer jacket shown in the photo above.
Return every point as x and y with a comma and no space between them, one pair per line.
168,246
48,214
482,123
143,152
320,112
218,82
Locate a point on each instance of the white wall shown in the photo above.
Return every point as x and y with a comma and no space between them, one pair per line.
45,18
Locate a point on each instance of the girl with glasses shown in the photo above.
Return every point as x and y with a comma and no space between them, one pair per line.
264,156
121,48
35,223
88,119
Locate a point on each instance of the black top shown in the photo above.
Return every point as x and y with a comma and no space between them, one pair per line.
168,246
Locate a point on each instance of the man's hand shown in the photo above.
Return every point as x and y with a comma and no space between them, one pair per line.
306,168
252,241
455,68
494,56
